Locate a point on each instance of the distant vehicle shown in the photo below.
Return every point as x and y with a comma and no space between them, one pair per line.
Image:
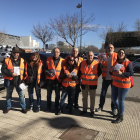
136,65
4,55
43,56
1,78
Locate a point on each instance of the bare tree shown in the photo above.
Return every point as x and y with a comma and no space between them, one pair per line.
42,32
137,25
69,26
111,34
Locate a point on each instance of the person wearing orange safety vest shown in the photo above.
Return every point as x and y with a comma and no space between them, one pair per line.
121,72
90,70
53,69
35,79
78,60
69,75
111,58
15,73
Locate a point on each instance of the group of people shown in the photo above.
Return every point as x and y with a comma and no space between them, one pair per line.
73,74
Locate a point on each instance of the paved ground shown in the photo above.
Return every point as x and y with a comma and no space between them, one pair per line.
47,126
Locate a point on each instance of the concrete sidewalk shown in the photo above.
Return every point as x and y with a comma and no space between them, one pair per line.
47,126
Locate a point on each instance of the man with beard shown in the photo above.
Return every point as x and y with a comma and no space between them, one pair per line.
14,72
111,58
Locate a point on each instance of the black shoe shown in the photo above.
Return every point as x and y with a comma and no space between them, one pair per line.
61,110
68,106
76,106
115,116
83,113
30,108
6,111
37,109
24,111
92,114
119,119
57,112
98,109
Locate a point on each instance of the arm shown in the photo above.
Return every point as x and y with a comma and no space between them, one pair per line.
46,71
129,71
99,69
5,71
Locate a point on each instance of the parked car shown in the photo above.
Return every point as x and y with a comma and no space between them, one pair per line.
136,65
4,55
1,78
43,56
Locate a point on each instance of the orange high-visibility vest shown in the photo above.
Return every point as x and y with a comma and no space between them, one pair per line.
89,75
104,64
9,64
39,71
80,59
51,67
68,81
118,80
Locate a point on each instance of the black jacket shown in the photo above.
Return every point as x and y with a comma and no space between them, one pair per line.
16,81
32,73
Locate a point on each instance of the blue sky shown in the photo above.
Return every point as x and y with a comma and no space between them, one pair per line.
18,16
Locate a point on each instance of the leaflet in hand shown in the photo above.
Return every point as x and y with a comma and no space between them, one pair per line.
102,56
118,66
52,71
73,73
17,70
23,86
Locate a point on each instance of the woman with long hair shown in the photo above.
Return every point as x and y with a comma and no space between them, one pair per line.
69,75
121,72
34,80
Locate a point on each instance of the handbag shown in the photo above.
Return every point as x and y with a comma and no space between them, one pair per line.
6,82
132,81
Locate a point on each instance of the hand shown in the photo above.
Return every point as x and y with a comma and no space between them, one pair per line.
69,76
111,69
118,72
14,74
51,74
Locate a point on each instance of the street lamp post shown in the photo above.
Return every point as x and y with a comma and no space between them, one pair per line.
80,6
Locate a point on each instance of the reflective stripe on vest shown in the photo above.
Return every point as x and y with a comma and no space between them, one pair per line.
68,81
39,71
51,66
118,80
104,64
89,74
9,65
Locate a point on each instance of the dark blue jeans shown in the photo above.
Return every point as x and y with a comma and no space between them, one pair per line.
67,91
105,85
49,94
38,94
120,94
9,96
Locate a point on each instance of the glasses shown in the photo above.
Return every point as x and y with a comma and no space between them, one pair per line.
110,47
71,60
